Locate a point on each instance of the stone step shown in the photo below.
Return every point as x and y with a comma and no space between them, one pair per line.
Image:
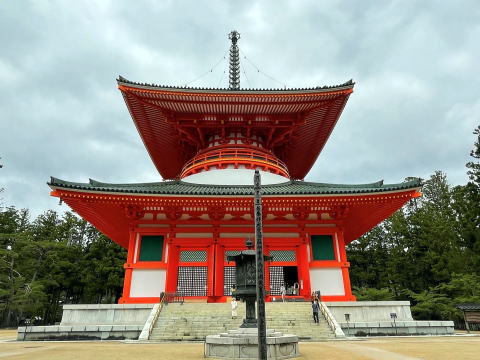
236,324
222,329
194,338
195,321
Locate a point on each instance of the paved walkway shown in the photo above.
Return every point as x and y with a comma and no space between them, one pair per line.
412,348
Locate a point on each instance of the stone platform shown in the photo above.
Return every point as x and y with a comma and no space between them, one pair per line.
93,322
374,318
242,343
194,321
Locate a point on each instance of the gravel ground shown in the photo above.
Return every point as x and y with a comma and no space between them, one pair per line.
445,348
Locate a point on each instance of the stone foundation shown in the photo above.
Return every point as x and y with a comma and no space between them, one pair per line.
243,344
93,322
400,328
373,318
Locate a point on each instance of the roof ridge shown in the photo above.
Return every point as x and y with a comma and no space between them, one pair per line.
374,184
100,183
121,79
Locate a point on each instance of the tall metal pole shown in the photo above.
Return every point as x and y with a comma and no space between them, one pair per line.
261,323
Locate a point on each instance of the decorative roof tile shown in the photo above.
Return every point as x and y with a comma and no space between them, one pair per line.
177,187
121,80
468,307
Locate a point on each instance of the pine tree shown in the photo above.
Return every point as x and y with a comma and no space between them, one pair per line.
474,166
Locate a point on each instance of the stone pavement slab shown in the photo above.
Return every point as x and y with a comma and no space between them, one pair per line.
401,348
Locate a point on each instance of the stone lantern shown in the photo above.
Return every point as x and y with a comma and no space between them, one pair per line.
243,343
245,281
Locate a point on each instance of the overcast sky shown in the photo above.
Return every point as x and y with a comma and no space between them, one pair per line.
415,63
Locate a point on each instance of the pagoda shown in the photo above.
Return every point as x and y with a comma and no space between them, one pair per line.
206,145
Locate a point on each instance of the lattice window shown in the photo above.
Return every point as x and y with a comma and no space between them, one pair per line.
276,279
193,256
228,280
283,255
192,281
231,253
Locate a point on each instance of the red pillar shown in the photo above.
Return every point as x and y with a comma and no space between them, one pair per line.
345,266
127,281
303,270
267,274
210,271
219,265
172,267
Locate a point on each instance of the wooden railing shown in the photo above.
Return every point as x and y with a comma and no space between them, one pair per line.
222,157
173,298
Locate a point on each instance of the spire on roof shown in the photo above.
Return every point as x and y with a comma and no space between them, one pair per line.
234,78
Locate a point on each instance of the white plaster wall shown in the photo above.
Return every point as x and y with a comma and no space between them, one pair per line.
328,281
147,282
233,177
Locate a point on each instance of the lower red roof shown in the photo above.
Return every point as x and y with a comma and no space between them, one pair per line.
356,209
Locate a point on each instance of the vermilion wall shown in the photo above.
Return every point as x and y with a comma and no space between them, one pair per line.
216,240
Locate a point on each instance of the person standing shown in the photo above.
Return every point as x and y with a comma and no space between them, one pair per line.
315,310
234,308
296,288
283,292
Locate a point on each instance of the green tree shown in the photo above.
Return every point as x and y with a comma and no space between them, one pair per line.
372,294
103,260
427,252
474,165
51,261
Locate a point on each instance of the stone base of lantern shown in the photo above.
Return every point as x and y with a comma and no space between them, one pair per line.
242,344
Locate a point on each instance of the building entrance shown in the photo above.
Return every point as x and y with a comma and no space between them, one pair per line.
290,277
286,276
192,281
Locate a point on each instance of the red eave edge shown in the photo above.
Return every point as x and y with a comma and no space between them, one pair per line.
283,93
124,197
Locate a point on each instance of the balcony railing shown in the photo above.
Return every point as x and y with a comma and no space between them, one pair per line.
221,158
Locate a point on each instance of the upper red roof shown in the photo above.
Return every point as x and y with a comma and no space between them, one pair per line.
175,123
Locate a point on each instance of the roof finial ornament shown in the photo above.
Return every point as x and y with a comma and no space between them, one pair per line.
234,78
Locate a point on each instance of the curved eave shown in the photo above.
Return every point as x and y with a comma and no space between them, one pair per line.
180,188
106,206
121,81
156,111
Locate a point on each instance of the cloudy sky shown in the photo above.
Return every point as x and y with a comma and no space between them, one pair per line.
415,64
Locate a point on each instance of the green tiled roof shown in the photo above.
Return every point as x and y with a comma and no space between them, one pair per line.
122,80
468,307
183,188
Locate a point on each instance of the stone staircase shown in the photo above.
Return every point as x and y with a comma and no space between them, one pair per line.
194,321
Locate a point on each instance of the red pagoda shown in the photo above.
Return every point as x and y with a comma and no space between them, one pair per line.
206,144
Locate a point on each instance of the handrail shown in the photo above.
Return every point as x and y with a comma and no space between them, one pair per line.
238,153
337,330
328,317
165,298
248,156
157,314
173,297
